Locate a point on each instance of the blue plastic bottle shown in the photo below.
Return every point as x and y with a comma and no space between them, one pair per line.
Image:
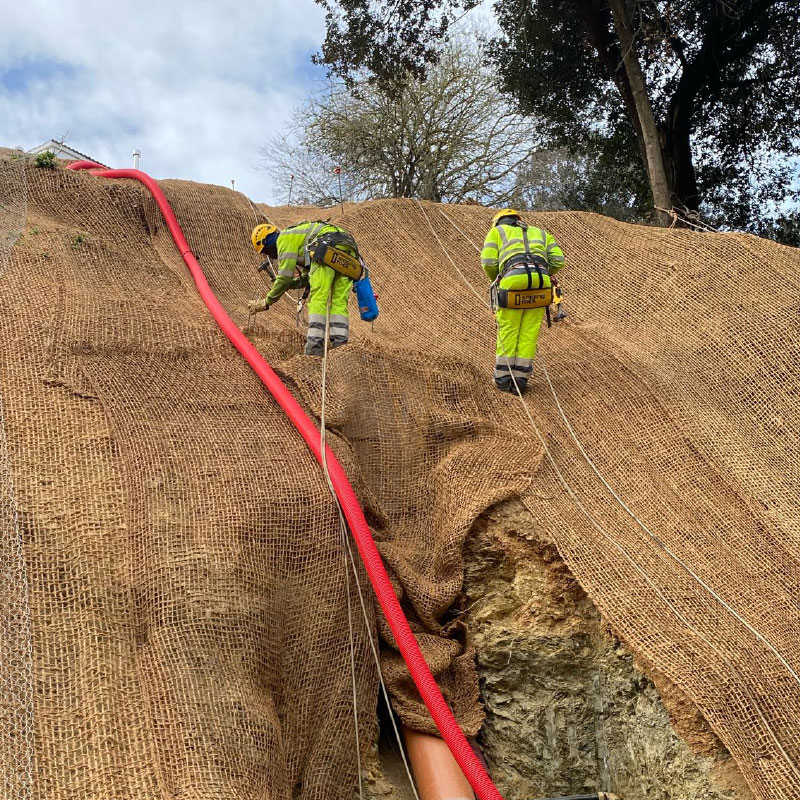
367,303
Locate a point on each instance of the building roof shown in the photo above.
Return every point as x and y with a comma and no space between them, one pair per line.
64,151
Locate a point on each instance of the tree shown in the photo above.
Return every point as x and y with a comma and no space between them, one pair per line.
707,88
303,174
433,137
597,180
784,228
385,39
648,129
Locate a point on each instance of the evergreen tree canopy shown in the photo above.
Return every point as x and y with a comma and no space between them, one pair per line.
720,82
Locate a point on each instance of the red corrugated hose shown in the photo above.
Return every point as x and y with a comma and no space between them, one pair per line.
421,674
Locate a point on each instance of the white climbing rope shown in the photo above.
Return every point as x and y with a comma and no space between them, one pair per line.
343,537
596,525
347,552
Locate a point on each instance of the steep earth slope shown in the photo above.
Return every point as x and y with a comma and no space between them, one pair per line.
182,561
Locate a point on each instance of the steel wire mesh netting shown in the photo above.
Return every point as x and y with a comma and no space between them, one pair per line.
16,690
186,577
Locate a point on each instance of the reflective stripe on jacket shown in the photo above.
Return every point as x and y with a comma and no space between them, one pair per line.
504,241
293,252
293,245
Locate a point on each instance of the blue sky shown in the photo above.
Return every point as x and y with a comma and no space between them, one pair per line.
197,87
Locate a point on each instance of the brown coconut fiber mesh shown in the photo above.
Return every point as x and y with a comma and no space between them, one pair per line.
186,579
16,680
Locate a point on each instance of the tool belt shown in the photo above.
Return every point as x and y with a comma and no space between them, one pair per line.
533,296
328,249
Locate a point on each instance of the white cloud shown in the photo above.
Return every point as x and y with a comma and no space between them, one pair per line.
197,87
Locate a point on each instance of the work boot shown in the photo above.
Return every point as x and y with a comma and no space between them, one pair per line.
506,384
314,349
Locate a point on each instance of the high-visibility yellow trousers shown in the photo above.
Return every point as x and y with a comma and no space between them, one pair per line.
517,336
325,282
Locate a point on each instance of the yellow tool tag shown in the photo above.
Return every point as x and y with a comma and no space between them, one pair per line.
342,262
529,298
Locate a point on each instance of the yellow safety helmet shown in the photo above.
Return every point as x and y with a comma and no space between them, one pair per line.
260,235
505,212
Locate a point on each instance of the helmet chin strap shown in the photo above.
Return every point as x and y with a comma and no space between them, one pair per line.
507,220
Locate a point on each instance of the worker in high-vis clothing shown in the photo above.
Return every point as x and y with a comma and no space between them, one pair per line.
321,256
521,262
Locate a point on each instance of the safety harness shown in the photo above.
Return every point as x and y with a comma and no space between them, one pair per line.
324,249
539,296
327,249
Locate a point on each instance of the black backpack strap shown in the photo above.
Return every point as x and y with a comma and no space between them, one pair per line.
337,238
525,238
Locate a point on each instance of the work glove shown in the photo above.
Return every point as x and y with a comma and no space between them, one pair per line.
254,306
298,283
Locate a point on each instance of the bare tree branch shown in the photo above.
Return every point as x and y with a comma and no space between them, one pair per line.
447,137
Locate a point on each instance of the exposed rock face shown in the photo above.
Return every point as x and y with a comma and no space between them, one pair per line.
568,709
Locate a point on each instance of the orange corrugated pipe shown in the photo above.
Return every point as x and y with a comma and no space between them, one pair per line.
436,773
384,591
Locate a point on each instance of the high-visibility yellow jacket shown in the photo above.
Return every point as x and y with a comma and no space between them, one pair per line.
504,241
293,253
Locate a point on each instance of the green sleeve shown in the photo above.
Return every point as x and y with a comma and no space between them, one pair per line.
285,272
489,254
282,283
555,255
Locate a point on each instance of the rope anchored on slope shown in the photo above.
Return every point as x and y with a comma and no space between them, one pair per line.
658,541
407,643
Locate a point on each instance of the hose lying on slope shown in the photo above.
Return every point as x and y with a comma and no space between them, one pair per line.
407,643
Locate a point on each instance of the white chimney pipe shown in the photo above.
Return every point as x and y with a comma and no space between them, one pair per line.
136,154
